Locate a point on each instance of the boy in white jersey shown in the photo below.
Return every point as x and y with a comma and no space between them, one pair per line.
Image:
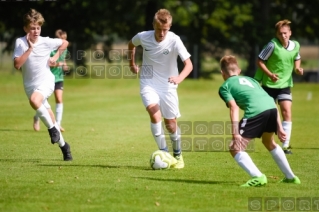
159,78
32,55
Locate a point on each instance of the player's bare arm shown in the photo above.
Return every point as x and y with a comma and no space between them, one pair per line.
188,67
61,49
19,61
298,69
234,117
263,67
131,57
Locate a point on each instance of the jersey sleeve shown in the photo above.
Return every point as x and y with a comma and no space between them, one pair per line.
225,95
298,57
54,43
267,51
18,48
181,49
136,40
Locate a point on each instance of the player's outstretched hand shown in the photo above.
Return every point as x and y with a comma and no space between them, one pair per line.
134,68
274,77
52,62
29,41
175,80
299,71
281,135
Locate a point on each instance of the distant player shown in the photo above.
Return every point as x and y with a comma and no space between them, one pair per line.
278,59
58,70
261,119
32,54
159,78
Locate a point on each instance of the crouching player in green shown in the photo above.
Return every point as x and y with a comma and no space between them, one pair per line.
260,119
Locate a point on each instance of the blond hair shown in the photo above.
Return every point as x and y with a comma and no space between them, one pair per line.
282,23
228,64
163,16
60,34
34,17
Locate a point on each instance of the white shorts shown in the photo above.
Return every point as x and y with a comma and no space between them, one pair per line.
46,89
167,101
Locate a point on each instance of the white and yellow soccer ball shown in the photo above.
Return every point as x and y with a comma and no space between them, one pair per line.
161,160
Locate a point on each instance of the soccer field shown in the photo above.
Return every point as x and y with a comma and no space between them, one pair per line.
108,130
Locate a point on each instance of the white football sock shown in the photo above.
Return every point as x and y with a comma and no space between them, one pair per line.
59,112
287,128
176,141
282,162
43,113
159,137
61,142
245,162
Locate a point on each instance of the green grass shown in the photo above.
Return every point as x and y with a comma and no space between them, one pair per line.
108,130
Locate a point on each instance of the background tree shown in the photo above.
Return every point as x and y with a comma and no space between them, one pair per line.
206,27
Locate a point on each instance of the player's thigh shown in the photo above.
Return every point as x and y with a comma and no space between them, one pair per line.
237,146
169,104
255,126
149,96
46,89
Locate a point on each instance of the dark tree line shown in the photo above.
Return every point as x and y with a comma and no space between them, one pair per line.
208,26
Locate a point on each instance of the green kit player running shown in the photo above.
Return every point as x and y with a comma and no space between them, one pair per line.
260,119
276,62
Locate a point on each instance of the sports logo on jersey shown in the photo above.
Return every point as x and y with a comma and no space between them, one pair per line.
166,51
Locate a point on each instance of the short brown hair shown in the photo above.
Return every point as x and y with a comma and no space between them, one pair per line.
163,16
282,23
33,16
228,64
60,34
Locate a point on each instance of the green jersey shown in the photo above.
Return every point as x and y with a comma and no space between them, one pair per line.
248,95
280,62
58,71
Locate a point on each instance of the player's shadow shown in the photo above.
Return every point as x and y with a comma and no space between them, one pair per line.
19,160
191,181
15,130
99,166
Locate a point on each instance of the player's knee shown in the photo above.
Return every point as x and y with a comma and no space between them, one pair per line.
171,127
237,146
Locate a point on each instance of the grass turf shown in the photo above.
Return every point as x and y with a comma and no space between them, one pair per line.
108,130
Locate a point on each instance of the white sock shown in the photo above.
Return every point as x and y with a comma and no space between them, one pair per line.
282,162
61,142
43,113
159,137
245,162
176,141
59,112
287,128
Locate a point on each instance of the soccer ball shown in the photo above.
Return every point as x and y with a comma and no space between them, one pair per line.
161,160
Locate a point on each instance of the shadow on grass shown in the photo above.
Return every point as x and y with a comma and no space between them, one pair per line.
69,163
14,130
190,181
26,160
99,166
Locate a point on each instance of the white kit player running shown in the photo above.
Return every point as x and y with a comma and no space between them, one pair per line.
32,55
159,79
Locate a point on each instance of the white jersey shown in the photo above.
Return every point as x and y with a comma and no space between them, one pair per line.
159,59
36,70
